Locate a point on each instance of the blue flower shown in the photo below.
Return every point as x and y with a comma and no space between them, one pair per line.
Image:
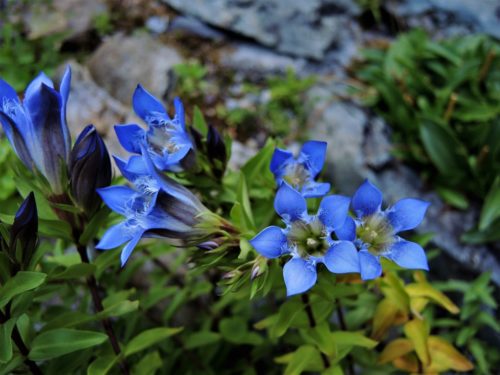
307,238
374,231
167,141
300,172
36,127
157,207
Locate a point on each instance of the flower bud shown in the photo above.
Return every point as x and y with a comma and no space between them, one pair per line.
216,151
24,233
89,168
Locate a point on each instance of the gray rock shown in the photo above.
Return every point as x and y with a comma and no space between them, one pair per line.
300,28
73,17
240,153
377,146
251,58
446,224
157,24
195,26
122,62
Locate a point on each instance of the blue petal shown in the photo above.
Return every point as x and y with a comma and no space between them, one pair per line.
289,203
333,211
369,264
347,231
179,113
407,214
408,255
117,197
269,242
144,103
315,189
64,92
114,237
130,137
133,168
36,84
366,200
279,158
342,258
315,154
127,250
7,91
299,275
16,139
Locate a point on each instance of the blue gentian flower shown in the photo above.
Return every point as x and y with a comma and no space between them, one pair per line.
301,171
36,127
157,207
307,238
374,231
167,141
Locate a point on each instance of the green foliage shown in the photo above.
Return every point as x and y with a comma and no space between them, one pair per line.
441,98
21,58
190,79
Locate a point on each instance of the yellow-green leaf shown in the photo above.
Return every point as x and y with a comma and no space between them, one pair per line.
424,289
395,349
445,357
416,331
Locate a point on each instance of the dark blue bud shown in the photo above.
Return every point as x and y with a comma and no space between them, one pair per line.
24,233
216,151
89,169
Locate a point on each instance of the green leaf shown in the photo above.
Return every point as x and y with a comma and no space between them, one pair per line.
302,359
235,331
6,341
199,339
416,331
149,364
62,341
286,315
102,365
199,122
491,207
148,338
22,282
75,271
344,338
443,148
453,197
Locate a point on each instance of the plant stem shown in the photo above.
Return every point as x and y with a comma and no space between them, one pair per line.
312,324
18,340
343,326
96,298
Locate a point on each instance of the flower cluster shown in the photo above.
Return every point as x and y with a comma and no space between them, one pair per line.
156,206
344,243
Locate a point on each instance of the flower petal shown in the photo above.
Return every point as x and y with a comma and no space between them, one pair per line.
347,231
179,112
299,275
117,197
366,200
408,255
16,139
7,91
64,92
127,250
35,85
315,189
269,242
279,158
333,211
407,214
315,155
130,137
342,257
289,203
114,237
369,264
144,103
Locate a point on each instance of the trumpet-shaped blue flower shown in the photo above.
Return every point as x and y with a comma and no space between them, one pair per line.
307,238
167,142
156,207
36,127
374,231
301,171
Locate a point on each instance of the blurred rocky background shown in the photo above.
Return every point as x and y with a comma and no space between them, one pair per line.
261,68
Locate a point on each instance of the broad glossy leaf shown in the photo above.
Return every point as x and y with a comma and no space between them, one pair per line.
148,338
20,283
395,349
416,331
6,341
445,357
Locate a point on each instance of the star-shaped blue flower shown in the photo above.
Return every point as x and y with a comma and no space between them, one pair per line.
374,231
300,172
166,139
307,239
